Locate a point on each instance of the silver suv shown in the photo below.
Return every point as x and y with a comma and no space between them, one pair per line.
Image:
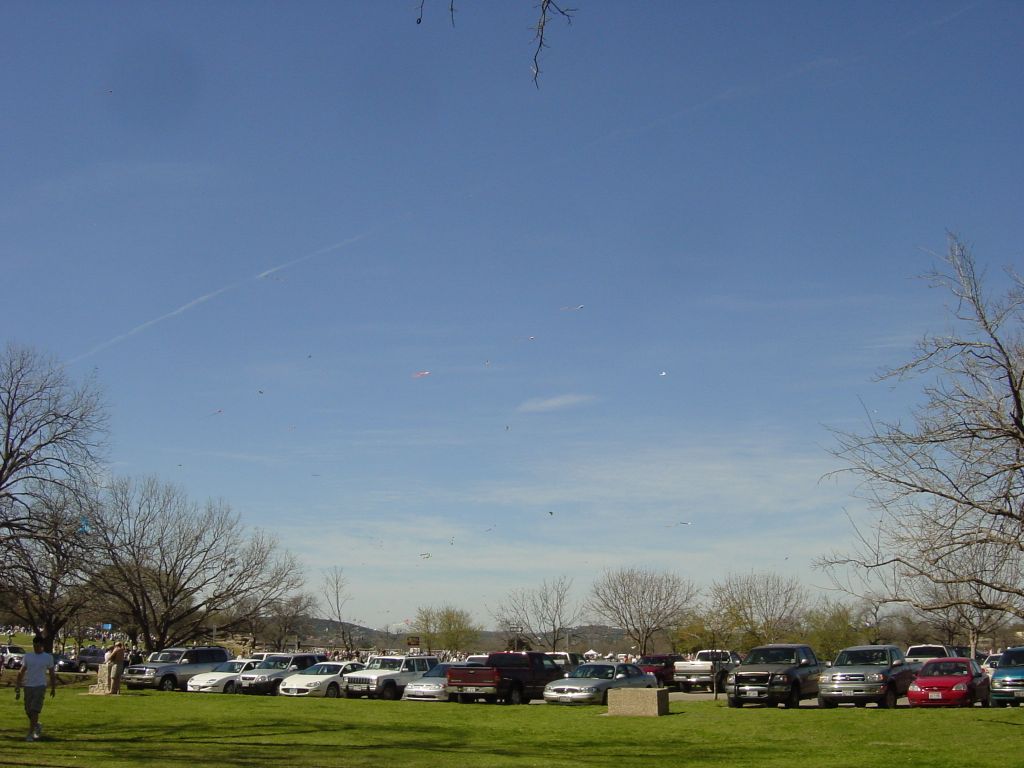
172,668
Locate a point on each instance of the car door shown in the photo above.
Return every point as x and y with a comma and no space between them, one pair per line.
809,671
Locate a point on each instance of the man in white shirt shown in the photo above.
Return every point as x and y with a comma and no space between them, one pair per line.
32,677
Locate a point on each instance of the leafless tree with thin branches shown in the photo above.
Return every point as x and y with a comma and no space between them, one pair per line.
643,602
546,613
948,486
761,607
52,433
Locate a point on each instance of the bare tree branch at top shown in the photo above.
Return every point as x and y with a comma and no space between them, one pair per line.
547,10
545,613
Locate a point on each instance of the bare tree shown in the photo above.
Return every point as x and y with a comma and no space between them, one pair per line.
334,589
51,433
642,602
546,613
179,569
41,575
762,607
547,11
952,480
286,618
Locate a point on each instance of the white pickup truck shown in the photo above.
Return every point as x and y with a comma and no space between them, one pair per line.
706,668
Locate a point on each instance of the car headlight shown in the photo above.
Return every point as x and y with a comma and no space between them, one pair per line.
149,672
780,678
825,678
262,679
914,687
730,680
314,684
960,687
875,677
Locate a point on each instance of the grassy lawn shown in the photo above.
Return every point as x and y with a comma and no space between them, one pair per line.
178,729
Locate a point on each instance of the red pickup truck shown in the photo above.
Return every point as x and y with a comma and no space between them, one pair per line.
512,678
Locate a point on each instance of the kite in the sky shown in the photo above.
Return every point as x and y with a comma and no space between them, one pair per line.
421,374
218,412
577,308
425,555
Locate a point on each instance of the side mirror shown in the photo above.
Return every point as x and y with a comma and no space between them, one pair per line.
899,662
186,660
620,676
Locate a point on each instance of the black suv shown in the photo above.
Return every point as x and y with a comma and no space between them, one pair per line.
172,668
775,674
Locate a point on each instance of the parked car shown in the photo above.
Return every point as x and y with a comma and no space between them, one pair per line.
385,677
567,661
990,664
775,674
708,669
172,668
919,654
590,683
513,677
12,655
267,676
662,666
221,679
864,674
325,678
64,663
90,658
949,682
432,686
1007,684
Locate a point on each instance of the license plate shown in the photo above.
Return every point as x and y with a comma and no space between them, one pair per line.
564,699
471,690
752,694
935,695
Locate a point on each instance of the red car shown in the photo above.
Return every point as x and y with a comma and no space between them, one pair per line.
949,682
662,666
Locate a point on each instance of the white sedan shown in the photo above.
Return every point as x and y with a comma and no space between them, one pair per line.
221,679
323,679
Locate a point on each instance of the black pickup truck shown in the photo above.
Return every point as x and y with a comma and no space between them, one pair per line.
775,674
511,677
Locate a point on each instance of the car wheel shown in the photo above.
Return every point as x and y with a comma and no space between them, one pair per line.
83,668
275,688
389,692
168,684
332,691
986,701
684,687
734,702
351,695
514,696
793,699
229,686
889,700
604,698
463,698
826,704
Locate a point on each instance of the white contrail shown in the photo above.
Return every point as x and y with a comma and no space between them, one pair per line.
214,294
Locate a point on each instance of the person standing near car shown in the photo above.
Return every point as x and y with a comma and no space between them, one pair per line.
32,677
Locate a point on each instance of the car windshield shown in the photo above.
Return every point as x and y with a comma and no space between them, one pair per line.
166,656
859,658
274,662
653,661
595,671
771,656
382,663
15,649
1012,659
944,669
926,650
438,670
323,669
229,666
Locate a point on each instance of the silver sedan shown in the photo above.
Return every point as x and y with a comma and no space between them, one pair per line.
590,683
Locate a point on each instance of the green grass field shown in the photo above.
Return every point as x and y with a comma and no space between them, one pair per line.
178,729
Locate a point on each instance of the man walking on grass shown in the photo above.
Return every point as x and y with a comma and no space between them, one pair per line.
32,676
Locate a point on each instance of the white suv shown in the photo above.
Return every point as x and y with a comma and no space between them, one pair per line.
386,676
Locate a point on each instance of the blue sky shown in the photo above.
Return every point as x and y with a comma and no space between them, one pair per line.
642,291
